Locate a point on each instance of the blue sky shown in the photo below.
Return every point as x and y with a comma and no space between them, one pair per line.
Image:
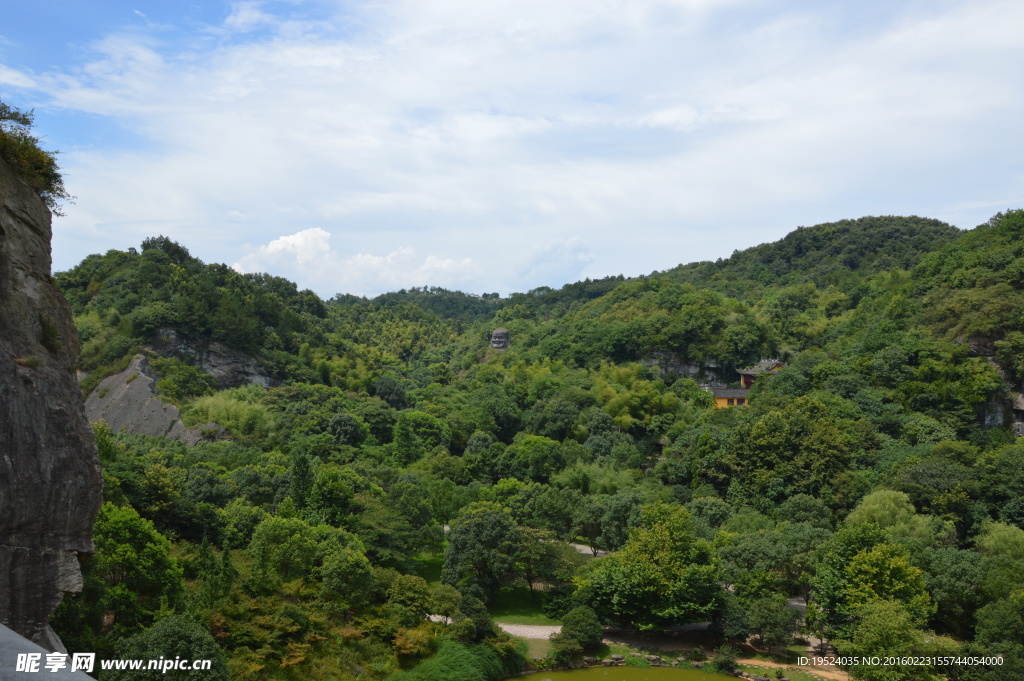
362,147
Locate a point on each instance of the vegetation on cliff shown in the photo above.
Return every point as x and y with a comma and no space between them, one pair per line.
34,165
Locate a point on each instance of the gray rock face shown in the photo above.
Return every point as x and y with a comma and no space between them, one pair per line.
50,482
127,402
231,368
671,362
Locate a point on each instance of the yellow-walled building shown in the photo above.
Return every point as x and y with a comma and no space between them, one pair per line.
729,397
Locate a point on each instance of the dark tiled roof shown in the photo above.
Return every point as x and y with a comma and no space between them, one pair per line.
761,367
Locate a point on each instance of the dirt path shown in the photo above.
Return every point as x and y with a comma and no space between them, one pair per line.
589,552
530,630
538,631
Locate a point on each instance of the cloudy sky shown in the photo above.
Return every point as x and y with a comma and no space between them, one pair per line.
487,145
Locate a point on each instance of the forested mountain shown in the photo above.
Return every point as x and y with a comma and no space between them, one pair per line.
878,473
841,254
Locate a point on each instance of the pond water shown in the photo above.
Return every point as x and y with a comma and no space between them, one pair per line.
623,674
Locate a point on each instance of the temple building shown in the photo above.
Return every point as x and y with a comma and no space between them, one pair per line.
729,397
734,397
765,366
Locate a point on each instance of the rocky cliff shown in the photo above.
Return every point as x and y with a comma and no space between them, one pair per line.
230,368
127,401
50,481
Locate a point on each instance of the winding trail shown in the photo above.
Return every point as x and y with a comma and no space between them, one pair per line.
538,631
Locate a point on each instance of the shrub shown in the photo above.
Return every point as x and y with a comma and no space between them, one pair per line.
581,624
36,167
725,658
49,336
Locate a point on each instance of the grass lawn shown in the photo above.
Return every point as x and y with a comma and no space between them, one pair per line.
429,567
537,647
608,649
519,606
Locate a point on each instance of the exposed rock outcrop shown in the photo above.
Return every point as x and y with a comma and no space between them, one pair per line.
50,481
231,368
672,363
127,402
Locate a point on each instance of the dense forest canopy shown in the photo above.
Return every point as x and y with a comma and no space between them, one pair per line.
877,475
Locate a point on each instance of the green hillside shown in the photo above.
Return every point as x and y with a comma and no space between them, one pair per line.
840,254
877,474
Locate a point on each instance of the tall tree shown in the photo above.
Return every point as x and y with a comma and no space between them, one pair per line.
664,575
483,547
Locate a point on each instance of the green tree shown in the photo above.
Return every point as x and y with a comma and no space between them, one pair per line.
417,433
334,495
803,508
884,572
772,621
1000,539
832,582
955,581
664,575
281,548
348,429
885,629
1002,621
539,555
171,639
284,549
798,446
800,542
473,622
445,601
412,592
531,457
345,577
483,547
133,560
893,512
301,480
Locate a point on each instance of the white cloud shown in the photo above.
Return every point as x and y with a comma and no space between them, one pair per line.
307,247
487,144
14,78
308,257
246,16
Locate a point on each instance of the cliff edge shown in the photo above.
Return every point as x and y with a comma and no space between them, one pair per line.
50,482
